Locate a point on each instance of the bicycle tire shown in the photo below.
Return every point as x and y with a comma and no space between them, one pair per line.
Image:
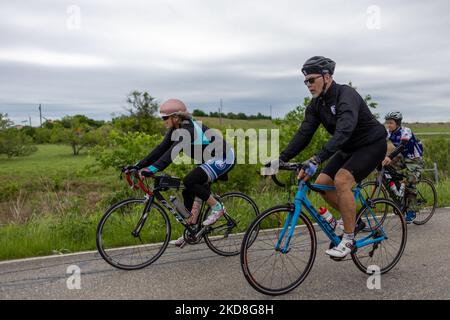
101,238
433,209
358,255
248,242
214,242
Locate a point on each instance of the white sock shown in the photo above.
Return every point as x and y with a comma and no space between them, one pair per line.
348,236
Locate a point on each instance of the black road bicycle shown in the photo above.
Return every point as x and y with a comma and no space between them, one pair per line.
426,193
135,232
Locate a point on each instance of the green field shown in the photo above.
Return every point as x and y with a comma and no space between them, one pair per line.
236,124
429,127
48,160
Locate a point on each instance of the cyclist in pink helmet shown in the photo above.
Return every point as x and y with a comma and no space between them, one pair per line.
213,166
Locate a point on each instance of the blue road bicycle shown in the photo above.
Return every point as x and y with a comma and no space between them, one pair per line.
279,247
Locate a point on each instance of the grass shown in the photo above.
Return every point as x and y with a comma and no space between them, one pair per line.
51,159
429,127
237,124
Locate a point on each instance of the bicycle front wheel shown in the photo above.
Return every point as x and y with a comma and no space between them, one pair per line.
382,255
132,235
225,236
266,268
426,201
370,189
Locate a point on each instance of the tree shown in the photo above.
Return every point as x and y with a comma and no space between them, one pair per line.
199,113
15,143
142,105
76,132
141,117
4,121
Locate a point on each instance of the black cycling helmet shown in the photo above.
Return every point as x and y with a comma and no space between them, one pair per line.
318,65
396,116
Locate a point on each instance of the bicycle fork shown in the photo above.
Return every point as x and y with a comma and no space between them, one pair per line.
137,230
289,227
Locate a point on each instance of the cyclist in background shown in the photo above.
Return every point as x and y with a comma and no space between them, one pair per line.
407,155
212,167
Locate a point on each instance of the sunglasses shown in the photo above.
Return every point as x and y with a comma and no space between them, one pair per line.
311,80
165,117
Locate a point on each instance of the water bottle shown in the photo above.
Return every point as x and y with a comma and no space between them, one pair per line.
328,217
394,189
180,208
402,190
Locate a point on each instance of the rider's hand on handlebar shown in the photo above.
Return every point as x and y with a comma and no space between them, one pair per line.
145,173
387,161
309,168
128,169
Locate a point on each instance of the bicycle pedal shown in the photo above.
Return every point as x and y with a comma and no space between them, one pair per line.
337,259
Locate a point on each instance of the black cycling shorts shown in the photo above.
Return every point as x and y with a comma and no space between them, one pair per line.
360,162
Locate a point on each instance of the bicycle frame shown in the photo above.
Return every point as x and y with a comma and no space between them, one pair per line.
301,200
150,196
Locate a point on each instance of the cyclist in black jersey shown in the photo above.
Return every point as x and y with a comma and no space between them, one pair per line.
214,156
357,146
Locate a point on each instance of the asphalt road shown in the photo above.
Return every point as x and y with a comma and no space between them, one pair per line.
195,272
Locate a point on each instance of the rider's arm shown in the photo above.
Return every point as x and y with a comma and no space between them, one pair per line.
347,117
303,136
156,153
401,147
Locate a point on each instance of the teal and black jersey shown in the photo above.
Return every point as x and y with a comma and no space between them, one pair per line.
193,138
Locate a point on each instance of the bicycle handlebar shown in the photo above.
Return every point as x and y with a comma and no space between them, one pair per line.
130,174
294,167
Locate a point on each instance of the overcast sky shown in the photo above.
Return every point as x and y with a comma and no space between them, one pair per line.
85,56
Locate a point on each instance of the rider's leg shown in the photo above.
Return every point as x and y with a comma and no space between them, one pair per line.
330,196
359,165
196,186
344,182
326,177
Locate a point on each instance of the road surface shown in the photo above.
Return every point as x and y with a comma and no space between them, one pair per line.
195,272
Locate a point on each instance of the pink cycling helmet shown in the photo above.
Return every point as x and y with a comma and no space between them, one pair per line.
173,107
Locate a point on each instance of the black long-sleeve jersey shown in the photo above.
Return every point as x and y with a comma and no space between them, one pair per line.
345,115
194,139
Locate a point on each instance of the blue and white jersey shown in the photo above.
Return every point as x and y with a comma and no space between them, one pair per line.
413,149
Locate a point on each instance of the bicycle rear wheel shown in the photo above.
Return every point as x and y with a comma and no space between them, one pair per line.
426,201
267,269
383,255
225,236
121,248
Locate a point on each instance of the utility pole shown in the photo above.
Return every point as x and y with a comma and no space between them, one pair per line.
29,118
270,112
220,112
40,114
